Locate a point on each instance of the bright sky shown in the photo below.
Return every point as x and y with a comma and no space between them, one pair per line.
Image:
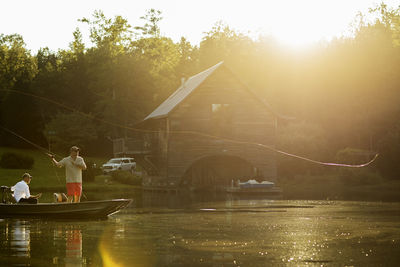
293,22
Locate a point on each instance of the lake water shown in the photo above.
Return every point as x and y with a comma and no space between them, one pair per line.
169,230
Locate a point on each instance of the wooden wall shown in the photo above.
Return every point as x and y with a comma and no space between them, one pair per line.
246,119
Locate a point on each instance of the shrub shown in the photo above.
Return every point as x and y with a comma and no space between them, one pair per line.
11,160
389,149
364,176
125,177
89,174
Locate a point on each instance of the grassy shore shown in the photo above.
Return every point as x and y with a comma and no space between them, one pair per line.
48,178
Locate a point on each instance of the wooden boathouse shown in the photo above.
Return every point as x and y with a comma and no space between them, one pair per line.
203,135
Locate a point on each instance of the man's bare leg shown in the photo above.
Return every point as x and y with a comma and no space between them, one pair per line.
77,198
70,199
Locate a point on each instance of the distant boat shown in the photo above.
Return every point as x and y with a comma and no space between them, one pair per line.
81,210
254,187
254,184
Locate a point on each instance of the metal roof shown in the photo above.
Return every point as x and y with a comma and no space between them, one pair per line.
190,85
181,93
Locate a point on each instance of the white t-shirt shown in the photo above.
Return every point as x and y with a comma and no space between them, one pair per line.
73,173
21,190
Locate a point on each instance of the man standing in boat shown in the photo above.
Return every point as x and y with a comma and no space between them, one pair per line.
74,164
22,193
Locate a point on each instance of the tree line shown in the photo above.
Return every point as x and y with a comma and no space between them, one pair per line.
343,93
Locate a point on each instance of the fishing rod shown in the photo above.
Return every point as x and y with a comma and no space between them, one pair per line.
271,148
46,151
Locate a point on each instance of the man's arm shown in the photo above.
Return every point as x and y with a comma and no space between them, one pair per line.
27,192
57,163
36,196
80,163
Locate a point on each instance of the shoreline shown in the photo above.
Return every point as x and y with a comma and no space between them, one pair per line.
375,193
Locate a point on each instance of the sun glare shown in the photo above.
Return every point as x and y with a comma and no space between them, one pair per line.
297,39
306,22
295,23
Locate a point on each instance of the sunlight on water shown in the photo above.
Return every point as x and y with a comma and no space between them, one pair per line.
233,232
108,261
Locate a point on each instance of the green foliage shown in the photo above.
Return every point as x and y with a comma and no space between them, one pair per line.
10,160
390,18
126,178
68,129
162,57
17,70
111,35
77,46
17,66
188,59
389,148
151,27
224,44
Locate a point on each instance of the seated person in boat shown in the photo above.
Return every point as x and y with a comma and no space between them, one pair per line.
21,191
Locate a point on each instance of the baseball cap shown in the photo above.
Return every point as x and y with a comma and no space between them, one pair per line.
26,175
74,148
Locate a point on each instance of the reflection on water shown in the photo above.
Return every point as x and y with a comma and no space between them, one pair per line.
185,230
23,241
15,241
20,239
73,248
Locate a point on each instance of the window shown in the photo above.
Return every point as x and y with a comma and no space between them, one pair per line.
215,108
221,119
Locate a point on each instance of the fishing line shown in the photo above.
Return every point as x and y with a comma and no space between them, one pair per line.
194,133
26,140
47,152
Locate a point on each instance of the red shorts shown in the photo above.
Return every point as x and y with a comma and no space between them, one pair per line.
74,189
